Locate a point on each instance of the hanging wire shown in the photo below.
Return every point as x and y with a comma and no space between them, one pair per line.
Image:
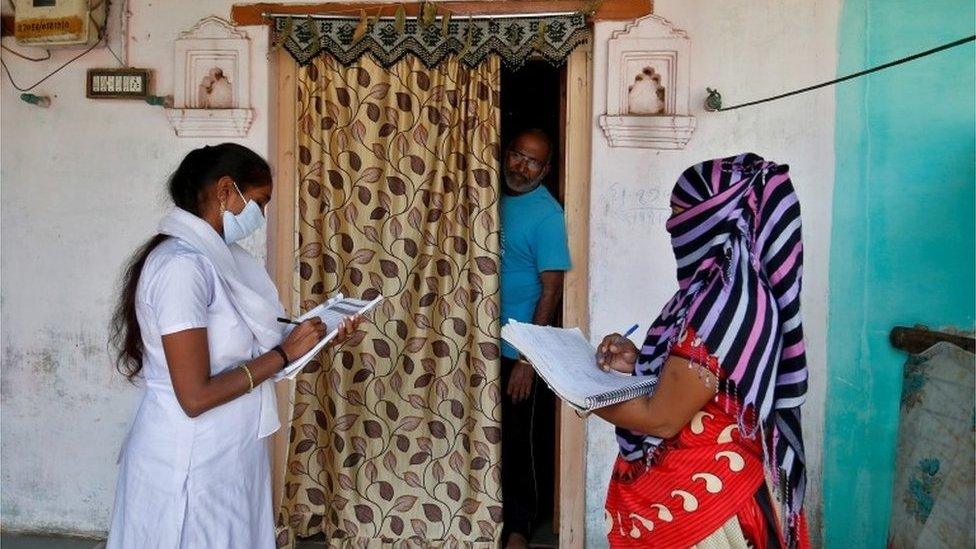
47,54
103,33
117,58
714,100
52,73
101,37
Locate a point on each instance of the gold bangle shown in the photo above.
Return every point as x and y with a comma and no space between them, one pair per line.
250,378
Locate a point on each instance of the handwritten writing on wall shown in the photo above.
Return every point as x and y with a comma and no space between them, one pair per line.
648,206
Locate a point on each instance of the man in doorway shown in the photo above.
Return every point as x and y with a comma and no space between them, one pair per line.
534,257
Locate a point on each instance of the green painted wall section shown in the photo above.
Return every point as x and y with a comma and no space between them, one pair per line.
902,248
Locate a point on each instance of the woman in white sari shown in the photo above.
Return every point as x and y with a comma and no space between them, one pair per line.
197,322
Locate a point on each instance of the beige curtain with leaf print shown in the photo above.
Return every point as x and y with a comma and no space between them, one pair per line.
395,438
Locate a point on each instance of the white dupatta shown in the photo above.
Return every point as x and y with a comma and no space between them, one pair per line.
250,289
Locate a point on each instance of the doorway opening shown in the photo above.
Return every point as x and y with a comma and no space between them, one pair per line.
531,98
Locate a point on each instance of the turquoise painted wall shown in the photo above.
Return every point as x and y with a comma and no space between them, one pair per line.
902,248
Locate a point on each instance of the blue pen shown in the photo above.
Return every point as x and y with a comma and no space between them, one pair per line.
631,331
627,334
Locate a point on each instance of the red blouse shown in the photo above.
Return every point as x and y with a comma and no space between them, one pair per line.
697,481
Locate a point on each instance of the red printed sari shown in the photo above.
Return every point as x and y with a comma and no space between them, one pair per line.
698,480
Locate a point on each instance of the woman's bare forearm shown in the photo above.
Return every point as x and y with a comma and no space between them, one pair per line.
680,394
188,358
233,383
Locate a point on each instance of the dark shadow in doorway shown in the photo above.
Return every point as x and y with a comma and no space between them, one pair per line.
531,98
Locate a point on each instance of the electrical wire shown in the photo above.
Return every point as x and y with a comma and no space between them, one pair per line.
953,44
124,16
117,58
103,34
535,476
22,56
52,73
101,37
47,52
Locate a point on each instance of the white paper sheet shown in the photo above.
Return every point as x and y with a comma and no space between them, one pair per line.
331,312
567,363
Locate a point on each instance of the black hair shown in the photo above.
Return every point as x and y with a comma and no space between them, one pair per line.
198,171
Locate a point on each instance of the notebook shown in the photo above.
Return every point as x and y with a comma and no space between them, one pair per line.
566,361
331,312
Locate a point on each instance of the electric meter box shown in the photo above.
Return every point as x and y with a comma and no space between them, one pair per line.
59,23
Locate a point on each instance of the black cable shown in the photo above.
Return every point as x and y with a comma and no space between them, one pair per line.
959,42
117,58
52,73
101,36
22,56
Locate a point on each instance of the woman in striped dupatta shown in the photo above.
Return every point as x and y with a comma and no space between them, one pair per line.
714,458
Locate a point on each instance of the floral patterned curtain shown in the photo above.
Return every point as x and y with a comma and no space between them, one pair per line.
395,437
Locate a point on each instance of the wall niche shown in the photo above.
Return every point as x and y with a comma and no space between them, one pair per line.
648,86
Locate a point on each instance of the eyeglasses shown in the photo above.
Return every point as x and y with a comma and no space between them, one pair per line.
532,163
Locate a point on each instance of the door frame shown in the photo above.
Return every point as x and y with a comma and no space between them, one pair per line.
576,132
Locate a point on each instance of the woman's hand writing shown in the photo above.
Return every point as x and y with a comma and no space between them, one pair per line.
617,353
304,337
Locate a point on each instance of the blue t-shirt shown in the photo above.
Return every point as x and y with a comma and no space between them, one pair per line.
533,240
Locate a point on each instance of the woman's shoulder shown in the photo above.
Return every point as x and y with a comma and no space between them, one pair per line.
174,252
174,258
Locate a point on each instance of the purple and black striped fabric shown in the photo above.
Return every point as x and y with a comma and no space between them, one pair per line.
740,260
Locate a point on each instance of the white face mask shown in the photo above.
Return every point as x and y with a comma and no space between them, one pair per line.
242,225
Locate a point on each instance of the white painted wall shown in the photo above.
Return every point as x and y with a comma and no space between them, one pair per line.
83,184
747,50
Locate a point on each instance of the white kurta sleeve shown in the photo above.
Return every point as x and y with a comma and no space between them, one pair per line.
180,293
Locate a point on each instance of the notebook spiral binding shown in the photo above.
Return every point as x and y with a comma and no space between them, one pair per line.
620,395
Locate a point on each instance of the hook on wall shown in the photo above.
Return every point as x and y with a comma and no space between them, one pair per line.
714,100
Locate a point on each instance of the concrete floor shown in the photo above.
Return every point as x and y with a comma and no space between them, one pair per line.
543,538
11,541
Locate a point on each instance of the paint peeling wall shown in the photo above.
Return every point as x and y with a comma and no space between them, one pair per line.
83,184
747,50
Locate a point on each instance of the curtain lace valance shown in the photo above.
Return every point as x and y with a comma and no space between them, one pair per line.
514,39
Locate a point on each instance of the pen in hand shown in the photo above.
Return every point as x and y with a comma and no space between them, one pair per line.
288,321
601,356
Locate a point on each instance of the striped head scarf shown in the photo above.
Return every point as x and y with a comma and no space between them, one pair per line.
740,261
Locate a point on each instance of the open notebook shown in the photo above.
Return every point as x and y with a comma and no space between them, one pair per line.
331,312
567,363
